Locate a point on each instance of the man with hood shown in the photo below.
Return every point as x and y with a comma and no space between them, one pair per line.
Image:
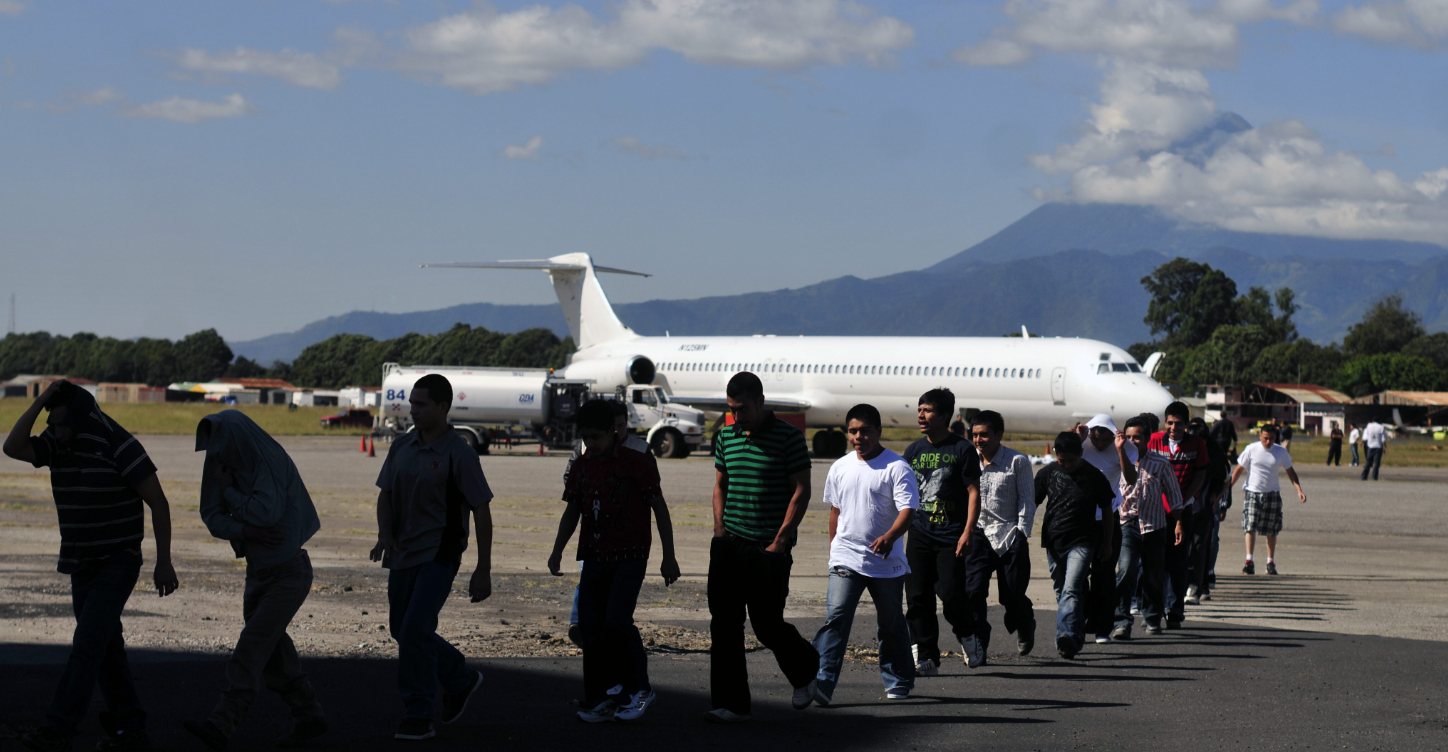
100,476
1105,448
252,496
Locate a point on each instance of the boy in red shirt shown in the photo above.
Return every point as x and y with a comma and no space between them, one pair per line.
1190,460
612,489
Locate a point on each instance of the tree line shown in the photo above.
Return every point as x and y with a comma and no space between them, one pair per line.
1212,335
336,362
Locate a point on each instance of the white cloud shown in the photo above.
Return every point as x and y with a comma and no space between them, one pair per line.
298,68
631,145
97,97
180,110
528,150
483,51
12,8
1166,32
1417,23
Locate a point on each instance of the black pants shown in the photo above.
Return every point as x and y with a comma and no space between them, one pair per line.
1178,566
613,652
935,570
743,576
1373,462
1334,452
1101,591
1203,533
1012,569
98,594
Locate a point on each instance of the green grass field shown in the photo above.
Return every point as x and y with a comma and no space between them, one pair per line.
180,418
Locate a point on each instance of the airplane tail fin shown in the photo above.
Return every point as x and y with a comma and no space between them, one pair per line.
590,316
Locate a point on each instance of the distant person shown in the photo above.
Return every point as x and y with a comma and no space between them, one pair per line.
1189,460
947,472
430,483
1225,433
1107,450
1207,522
633,441
1375,439
1150,508
1354,435
613,489
253,497
1286,433
1075,530
958,427
761,492
1261,497
872,496
100,476
1334,446
1000,543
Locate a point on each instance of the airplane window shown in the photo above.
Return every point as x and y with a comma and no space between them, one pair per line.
1120,367
1103,368
998,373
874,370
1134,367
1011,373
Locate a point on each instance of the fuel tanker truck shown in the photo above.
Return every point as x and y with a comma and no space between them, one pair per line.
490,403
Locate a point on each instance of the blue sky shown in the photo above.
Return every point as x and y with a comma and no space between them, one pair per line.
253,166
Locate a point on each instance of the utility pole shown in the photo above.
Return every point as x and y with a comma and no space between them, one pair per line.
12,314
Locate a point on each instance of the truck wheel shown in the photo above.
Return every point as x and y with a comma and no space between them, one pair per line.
666,443
471,438
839,443
821,444
486,446
682,449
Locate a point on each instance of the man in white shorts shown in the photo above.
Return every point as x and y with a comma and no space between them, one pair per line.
1262,500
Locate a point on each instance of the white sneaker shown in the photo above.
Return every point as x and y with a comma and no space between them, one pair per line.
600,713
805,695
1192,599
974,656
1135,610
927,667
725,715
898,693
1103,639
637,704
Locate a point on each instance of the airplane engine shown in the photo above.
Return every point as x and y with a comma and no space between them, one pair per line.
610,373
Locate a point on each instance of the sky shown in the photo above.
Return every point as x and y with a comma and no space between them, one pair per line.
171,166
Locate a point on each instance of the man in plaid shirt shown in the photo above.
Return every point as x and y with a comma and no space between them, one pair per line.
1147,528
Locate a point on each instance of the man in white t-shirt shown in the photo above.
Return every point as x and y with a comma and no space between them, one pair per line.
1262,500
873,495
1353,436
1375,438
1100,448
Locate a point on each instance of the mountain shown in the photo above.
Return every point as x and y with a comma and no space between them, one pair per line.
1064,269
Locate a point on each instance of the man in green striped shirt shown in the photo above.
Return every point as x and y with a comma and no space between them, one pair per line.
761,489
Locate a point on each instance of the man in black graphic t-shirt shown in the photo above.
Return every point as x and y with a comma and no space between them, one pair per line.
947,470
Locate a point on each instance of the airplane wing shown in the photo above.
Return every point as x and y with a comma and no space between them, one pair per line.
719,404
543,264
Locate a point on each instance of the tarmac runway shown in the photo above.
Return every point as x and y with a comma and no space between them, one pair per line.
1346,649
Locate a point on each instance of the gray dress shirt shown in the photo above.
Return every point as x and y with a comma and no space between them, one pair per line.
1007,498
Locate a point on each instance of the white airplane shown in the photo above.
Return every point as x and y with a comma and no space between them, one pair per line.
1039,384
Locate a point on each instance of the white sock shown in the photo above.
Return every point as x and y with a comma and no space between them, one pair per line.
1249,557
1269,560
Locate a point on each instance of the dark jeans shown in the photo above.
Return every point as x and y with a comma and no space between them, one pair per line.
613,652
1354,455
935,570
98,594
743,576
1178,568
1334,452
1203,533
264,653
1012,569
1142,559
1374,460
1101,594
415,597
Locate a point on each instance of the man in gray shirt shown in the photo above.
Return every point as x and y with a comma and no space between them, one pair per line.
430,482
252,496
1007,509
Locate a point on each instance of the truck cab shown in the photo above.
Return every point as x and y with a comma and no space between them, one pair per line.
672,430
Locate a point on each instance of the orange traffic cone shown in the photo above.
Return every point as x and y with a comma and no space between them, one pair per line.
372,448
363,448
540,447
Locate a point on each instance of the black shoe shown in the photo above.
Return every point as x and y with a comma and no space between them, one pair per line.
1153,629
304,733
1211,578
1026,638
207,732
1121,634
415,729
1249,568
1066,647
46,739
123,741
1271,567
454,703
575,635
1173,623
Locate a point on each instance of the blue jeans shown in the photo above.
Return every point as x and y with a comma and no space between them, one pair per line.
1143,559
613,652
98,594
1068,577
415,597
897,669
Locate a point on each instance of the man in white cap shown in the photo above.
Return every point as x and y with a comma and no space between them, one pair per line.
1100,448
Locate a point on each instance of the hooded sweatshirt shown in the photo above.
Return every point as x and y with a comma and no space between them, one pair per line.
268,490
1106,460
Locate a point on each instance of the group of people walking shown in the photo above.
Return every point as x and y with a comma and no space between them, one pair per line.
1129,527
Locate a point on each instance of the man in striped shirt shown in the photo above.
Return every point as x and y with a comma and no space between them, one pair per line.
100,476
1147,528
761,489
